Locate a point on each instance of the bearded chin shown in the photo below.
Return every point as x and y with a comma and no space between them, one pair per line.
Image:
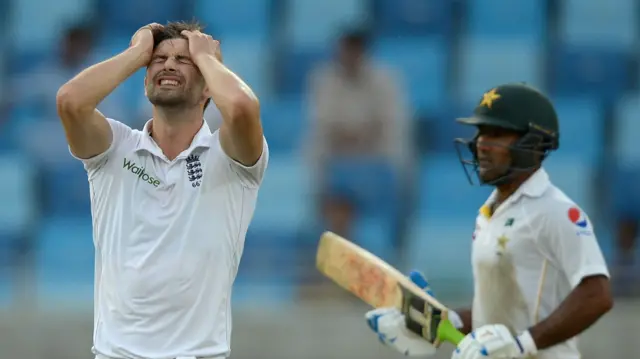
168,100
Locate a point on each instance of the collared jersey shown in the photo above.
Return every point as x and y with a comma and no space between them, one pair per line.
168,236
528,256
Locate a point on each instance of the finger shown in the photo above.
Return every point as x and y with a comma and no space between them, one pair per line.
187,33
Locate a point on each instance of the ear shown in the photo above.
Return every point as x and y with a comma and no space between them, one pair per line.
206,93
145,85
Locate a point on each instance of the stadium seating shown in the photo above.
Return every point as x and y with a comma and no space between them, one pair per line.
250,59
582,70
446,54
314,25
284,124
413,18
138,13
18,212
422,64
581,129
35,31
599,23
487,63
65,260
222,17
497,19
445,191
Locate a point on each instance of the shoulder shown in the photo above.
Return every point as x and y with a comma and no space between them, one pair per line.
556,211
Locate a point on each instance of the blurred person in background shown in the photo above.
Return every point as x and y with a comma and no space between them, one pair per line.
171,204
357,114
36,104
75,48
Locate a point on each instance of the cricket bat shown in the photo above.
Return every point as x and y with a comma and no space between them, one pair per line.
380,285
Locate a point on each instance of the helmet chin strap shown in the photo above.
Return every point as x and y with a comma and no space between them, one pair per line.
508,177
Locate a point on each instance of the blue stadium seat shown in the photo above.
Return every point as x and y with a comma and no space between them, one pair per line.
624,192
234,18
284,124
441,250
269,254
440,128
627,128
124,17
268,265
375,236
66,188
285,200
445,192
423,65
312,24
65,260
599,23
575,177
486,63
492,19
32,28
294,69
409,18
17,215
18,204
250,59
372,185
585,70
581,129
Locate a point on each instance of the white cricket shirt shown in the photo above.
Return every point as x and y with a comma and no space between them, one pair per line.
528,256
168,236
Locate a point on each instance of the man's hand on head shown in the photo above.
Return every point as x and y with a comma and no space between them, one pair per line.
143,40
201,44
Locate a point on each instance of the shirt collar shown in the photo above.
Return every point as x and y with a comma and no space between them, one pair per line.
201,139
534,186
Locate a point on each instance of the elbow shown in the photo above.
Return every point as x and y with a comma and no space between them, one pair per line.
66,100
244,107
69,101
606,303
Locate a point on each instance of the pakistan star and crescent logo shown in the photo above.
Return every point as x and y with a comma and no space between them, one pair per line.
489,97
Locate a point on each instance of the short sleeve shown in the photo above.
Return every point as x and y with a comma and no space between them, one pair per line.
250,176
568,238
121,133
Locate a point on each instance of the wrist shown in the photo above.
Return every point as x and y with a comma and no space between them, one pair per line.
455,319
140,55
527,344
205,58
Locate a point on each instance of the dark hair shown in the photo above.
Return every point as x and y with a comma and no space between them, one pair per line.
357,37
173,30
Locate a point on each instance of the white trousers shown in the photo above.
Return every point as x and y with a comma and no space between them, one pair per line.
100,356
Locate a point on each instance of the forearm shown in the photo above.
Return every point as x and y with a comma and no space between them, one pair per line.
230,94
581,309
91,86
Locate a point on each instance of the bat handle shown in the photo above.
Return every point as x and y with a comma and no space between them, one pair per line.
448,333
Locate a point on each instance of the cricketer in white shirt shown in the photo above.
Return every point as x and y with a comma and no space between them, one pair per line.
168,236
540,278
528,256
171,204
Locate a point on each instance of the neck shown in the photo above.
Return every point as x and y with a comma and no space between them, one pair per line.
507,189
174,129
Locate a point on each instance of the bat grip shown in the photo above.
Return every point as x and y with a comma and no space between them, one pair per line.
448,333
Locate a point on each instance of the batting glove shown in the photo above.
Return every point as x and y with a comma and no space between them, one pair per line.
495,341
391,327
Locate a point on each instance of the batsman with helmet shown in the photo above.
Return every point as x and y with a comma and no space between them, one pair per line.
540,278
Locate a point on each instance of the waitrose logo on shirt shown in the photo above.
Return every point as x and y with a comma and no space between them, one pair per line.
140,172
